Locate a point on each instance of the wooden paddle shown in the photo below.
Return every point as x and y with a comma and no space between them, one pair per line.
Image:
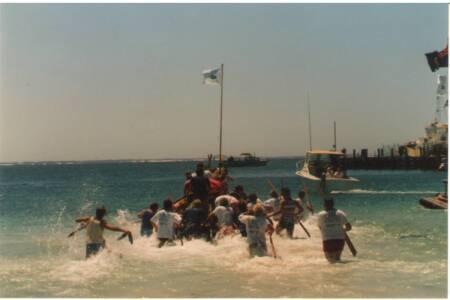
350,244
130,237
274,252
80,227
304,228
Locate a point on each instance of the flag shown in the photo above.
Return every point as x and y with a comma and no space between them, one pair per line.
437,59
213,76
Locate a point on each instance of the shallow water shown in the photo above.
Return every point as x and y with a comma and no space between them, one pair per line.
402,247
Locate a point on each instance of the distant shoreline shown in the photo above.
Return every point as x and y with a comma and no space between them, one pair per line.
122,161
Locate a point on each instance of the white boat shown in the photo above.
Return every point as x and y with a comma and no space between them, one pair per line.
319,161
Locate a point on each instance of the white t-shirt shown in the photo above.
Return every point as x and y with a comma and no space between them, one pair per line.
330,224
166,221
274,203
224,215
255,227
229,198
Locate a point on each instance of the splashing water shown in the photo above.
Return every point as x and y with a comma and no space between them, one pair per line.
402,248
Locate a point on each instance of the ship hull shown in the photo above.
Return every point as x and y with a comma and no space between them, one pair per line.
332,184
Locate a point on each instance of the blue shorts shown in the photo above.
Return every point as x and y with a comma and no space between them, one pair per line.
287,224
146,232
94,248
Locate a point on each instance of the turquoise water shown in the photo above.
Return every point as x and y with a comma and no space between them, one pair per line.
402,247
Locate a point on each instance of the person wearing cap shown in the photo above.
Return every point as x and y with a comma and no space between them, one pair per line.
193,221
232,200
164,222
145,216
256,227
289,209
332,224
94,231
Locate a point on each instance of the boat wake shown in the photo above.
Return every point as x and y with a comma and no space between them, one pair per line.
362,191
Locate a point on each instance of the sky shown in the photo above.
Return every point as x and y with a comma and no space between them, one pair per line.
124,81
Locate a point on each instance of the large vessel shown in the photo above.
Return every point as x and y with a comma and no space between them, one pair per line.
246,160
435,143
319,163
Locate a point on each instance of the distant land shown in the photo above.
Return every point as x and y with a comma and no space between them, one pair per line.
123,161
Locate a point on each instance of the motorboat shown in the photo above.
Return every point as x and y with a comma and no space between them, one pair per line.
327,165
439,201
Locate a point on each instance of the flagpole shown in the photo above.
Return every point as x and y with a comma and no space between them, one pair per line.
221,108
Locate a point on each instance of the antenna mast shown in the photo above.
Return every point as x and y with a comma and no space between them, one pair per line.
309,121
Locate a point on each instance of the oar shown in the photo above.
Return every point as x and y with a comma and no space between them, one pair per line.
274,252
130,237
350,244
304,228
271,185
308,201
80,227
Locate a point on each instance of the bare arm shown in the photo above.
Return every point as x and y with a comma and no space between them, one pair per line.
82,219
114,228
155,226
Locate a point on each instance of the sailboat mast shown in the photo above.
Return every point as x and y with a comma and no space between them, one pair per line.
309,122
335,144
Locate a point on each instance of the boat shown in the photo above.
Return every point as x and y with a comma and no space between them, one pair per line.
324,164
246,160
318,162
439,201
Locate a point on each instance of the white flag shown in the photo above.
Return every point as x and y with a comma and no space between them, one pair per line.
213,76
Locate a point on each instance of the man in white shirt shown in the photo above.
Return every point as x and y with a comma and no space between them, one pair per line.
273,204
164,222
332,224
224,216
256,226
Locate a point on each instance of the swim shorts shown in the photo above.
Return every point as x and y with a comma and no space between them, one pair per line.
92,249
146,231
333,245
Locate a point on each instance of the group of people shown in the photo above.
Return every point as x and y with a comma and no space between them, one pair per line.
208,211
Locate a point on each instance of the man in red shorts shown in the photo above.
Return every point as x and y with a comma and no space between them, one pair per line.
332,224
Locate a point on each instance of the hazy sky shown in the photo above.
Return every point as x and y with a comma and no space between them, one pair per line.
84,81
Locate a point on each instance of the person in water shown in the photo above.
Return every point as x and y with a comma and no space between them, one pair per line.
256,227
332,224
94,231
146,215
289,209
273,204
200,185
193,221
224,215
164,222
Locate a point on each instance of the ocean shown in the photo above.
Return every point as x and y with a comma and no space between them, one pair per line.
402,247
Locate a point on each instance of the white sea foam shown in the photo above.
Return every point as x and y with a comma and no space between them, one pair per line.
201,269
